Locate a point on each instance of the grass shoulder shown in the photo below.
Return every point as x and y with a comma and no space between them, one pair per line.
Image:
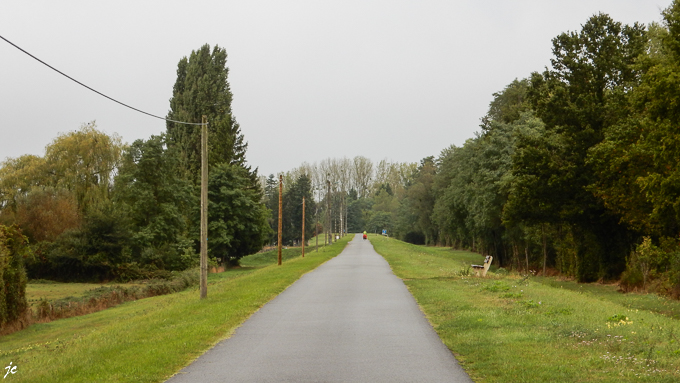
505,328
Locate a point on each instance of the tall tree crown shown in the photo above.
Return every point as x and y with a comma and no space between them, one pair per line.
202,88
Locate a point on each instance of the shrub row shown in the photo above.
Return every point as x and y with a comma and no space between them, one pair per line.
108,296
13,304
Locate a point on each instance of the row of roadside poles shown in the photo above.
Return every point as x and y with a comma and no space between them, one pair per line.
316,232
204,213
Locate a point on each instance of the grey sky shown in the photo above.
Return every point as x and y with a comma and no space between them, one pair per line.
400,80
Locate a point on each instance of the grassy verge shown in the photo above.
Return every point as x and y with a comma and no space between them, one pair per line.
37,291
504,328
269,257
148,340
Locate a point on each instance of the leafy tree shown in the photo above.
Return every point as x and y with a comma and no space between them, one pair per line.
362,172
271,200
155,199
535,194
471,189
578,99
418,203
44,214
18,176
202,88
450,210
383,211
637,163
271,188
379,221
92,252
507,105
84,162
356,208
292,210
237,219
13,249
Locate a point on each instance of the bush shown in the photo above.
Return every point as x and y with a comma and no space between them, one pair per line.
109,296
415,237
653,268
13,249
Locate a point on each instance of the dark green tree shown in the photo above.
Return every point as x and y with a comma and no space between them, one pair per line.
237,218
637,162
356,208
202,88
582,95
417,206
292,210
156,201
507,105
13,250
271,200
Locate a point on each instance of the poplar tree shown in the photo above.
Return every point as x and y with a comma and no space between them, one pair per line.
202,88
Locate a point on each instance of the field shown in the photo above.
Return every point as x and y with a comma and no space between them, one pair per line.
150,339
512,328
52,291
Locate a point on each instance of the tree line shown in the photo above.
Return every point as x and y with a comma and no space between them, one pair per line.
575,169
93,208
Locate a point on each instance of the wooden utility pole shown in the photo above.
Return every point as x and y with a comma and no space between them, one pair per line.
280,214
204,208
303,227
328,198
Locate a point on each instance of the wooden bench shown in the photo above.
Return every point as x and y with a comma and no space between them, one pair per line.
483,268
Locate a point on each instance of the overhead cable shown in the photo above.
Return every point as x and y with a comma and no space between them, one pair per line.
96,91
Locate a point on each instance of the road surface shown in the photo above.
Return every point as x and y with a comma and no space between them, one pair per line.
350,320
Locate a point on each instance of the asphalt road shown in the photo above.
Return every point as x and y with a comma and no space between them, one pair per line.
350,320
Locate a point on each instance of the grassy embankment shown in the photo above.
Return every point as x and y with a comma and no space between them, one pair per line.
150,339
504,328
63,293
53,291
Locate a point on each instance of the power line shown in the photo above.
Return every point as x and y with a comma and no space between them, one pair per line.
96,91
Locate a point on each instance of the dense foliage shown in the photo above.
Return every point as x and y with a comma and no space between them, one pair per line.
572,166
95,209
237,218
575,169
13,249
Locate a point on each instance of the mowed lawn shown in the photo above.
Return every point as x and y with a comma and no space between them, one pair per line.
504,328
150,339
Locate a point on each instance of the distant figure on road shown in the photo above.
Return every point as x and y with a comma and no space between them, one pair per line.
365,235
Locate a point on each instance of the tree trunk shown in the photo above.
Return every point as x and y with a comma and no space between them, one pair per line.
545,248
526,254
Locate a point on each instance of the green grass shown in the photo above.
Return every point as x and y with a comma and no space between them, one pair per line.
504,329
270,257
52,291
648,302
150,339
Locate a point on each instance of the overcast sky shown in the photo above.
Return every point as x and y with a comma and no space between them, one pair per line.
399,80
